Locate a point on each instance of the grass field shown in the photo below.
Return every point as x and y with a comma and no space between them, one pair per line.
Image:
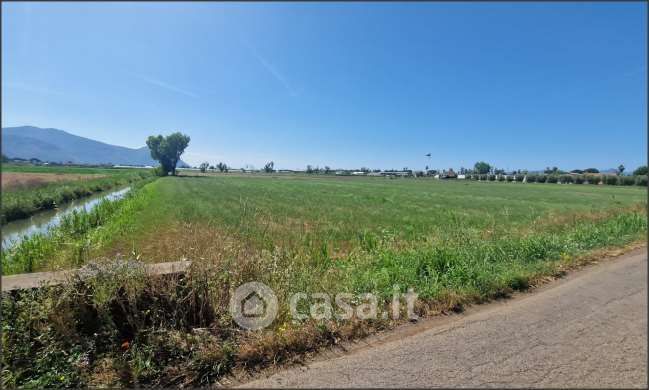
340,215
453,242
12,181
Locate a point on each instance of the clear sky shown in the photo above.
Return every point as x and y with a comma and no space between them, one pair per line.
341,84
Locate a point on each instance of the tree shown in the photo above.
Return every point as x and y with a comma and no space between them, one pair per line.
203,167
167,150
578,171
591,170
309,169
327,170
268,168
642,170
222,167
482,167
620,169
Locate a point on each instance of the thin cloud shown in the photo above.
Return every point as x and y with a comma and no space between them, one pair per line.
167,86
271,69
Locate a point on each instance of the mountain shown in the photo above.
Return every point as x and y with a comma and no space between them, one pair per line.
55,145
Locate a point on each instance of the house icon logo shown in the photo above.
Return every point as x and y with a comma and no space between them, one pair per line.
253,306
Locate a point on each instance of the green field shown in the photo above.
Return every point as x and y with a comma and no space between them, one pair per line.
331,217
454,242
341,215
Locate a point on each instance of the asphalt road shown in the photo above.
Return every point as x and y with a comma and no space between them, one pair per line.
587,330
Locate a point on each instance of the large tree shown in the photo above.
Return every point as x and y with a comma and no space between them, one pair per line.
269,167
482,167
222,167
167,150
642,170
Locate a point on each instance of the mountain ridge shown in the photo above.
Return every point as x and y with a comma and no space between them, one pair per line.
60,146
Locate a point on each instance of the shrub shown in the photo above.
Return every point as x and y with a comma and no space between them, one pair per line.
483,177
492,177
553,179
641,180
566,179
159,171
611,180
531,178
627,180
579,179
592,179
541,178
501,178
519,178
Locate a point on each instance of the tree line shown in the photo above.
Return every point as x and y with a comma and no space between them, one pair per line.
168,149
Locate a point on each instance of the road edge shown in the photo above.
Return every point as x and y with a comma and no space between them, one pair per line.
578,267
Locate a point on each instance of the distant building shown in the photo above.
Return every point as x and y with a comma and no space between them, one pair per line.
396,173
450,174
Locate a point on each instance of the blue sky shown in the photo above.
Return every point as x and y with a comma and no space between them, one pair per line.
341,84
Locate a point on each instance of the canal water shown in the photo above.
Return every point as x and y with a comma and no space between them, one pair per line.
16,231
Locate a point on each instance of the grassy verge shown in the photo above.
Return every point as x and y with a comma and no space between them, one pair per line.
22,203
122,327
68,244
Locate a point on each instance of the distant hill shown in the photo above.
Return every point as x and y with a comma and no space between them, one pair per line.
53,145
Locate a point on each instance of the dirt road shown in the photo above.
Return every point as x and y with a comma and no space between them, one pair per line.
587,330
